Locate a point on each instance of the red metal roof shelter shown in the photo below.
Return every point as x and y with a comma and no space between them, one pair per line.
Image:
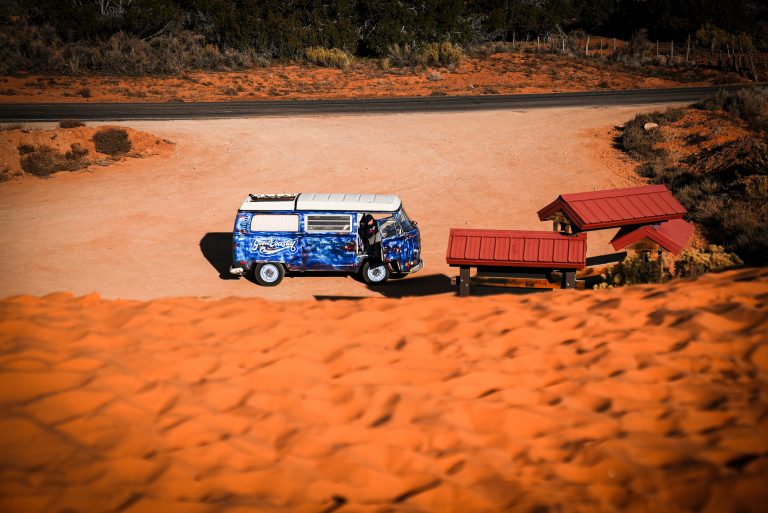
613,208
516,248
671,236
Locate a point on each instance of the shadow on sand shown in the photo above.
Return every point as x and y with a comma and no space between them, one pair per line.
217,249
425,285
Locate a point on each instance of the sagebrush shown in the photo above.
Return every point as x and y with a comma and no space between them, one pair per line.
112,141
44,160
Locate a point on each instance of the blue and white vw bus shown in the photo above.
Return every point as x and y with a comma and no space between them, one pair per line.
276,233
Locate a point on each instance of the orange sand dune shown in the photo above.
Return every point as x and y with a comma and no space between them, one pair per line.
651,398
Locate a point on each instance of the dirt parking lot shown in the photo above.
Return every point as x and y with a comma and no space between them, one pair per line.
160,226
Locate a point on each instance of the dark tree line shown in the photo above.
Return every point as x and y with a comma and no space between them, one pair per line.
284,28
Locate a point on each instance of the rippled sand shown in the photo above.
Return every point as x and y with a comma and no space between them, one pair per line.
650,398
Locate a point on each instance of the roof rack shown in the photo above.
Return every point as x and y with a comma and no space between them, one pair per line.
272,197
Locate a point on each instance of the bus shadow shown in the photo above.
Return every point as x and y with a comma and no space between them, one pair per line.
217,249
427,285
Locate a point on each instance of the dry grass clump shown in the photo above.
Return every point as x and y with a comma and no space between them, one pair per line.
112,141
328,57
44,160
489,48
433,54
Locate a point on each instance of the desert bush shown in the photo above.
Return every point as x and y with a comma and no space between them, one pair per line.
68,123
489,48
749,105
638,44
40,48
76,152
25,149
639,142
739,226
44,160
658,170
637,268
403,56
328,57
84,92
695,262
112,141
442,54
432,54
5,173
756,188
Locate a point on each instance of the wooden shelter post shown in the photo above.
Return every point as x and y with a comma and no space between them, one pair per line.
464,281
569,279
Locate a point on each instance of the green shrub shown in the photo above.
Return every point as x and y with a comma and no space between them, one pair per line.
635,269
112,141
694,262
45,160
70,124
328,57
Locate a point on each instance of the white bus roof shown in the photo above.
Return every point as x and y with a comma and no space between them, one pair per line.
321,201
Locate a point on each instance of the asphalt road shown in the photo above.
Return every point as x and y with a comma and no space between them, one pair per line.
234,109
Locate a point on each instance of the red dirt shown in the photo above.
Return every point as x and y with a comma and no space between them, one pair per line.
61,139
159,227
501,73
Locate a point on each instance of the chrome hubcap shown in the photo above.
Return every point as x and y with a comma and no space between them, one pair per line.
376,273
268,273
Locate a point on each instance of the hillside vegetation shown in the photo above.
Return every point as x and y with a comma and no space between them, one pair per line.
714,158
154,36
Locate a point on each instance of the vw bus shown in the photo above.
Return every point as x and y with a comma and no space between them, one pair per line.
279,233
